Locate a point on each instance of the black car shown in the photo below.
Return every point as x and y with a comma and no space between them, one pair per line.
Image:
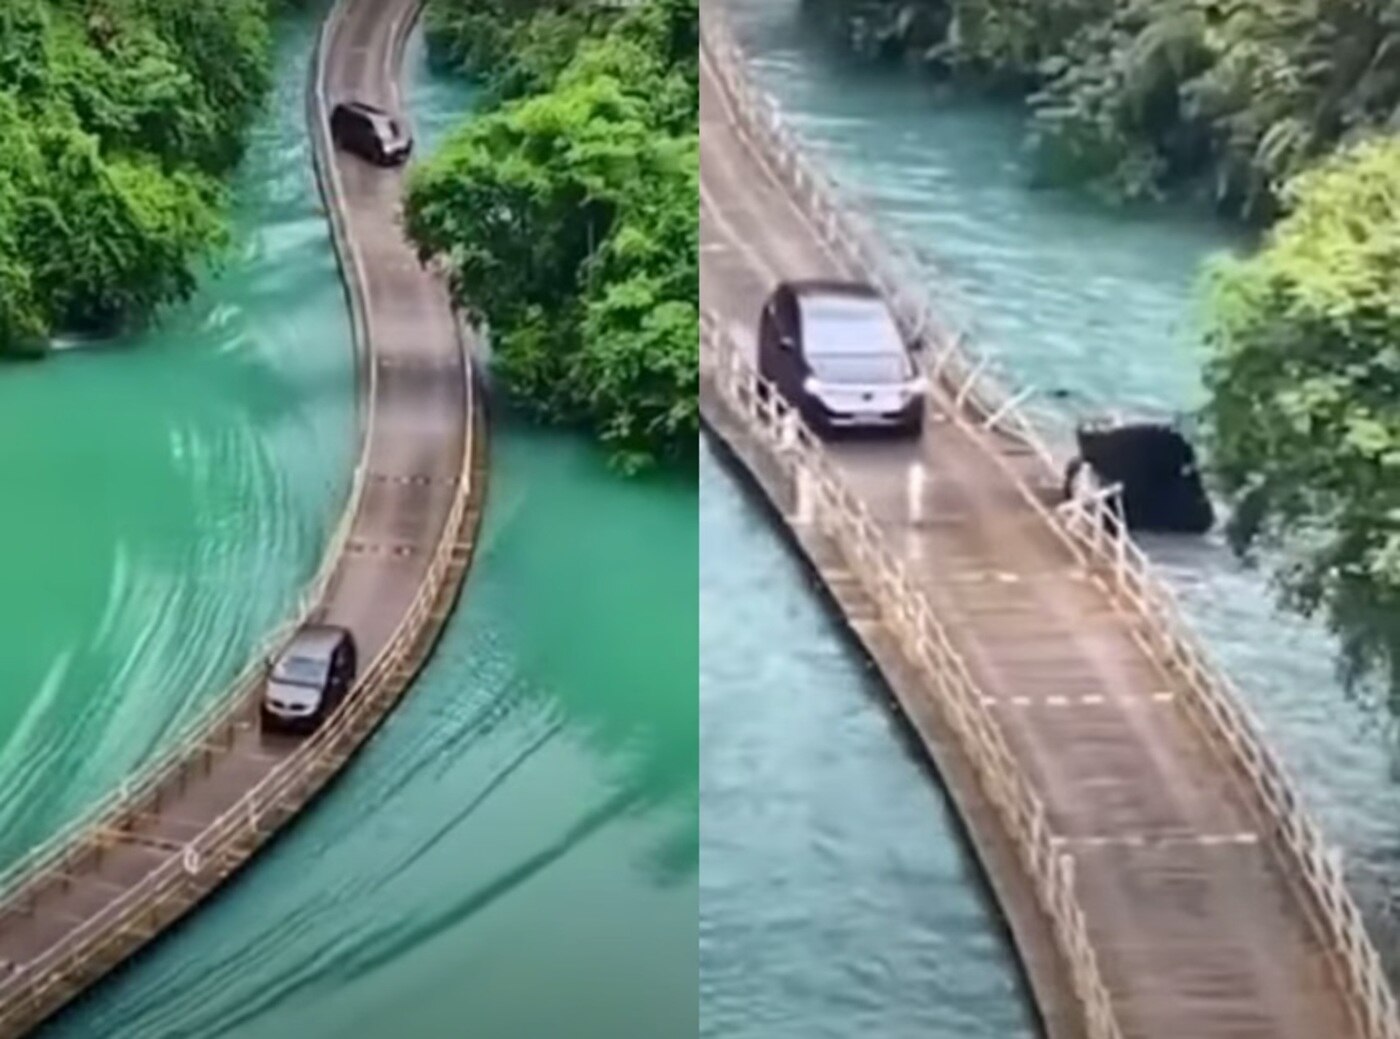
1153,463
371,133
833,349
310,679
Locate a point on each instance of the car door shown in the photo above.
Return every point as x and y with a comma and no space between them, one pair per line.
341,671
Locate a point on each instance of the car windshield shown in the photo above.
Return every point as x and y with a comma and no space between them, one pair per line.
308,671
852,339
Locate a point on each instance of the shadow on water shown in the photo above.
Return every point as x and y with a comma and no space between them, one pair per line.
610,586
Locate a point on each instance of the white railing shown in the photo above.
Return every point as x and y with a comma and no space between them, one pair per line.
1097,530
1092,528
829,506
222,844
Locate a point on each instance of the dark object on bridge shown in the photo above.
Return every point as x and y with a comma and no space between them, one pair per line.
1156,466
834,350
310,679
371,133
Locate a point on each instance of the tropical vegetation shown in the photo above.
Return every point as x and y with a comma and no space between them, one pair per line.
567,211
119,118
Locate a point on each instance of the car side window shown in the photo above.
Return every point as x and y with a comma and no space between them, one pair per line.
787,322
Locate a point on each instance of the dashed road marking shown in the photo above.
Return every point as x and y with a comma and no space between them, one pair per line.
1082,700
1240,838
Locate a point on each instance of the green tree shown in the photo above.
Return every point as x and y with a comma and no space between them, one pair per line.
568,215
1304,412
118,116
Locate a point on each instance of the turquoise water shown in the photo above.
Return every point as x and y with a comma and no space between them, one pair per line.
515,852
169,492
1098,302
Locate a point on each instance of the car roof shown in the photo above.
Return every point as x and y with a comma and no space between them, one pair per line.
315,640
822,311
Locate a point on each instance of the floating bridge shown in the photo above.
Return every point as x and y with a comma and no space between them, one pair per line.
115,879
1157,870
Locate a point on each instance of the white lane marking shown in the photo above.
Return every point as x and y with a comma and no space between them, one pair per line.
389,52
1063,700
1242,838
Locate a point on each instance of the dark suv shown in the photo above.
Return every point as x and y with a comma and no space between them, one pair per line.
833,349
310,679
371,133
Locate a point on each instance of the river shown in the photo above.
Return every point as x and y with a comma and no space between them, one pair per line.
172,490
515,853
1094,305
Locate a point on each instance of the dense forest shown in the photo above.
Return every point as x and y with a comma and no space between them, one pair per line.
119,118
1283,113
567,210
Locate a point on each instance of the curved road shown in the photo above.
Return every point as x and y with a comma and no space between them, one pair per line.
416,409
1198,930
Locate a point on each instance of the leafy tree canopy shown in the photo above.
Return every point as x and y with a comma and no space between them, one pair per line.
118,117
568,212
1304,415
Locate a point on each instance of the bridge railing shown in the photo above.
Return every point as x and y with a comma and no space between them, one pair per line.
206,730
853,239
826,502
1096,526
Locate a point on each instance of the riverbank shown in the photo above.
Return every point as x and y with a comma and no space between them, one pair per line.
120,127
1225,104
